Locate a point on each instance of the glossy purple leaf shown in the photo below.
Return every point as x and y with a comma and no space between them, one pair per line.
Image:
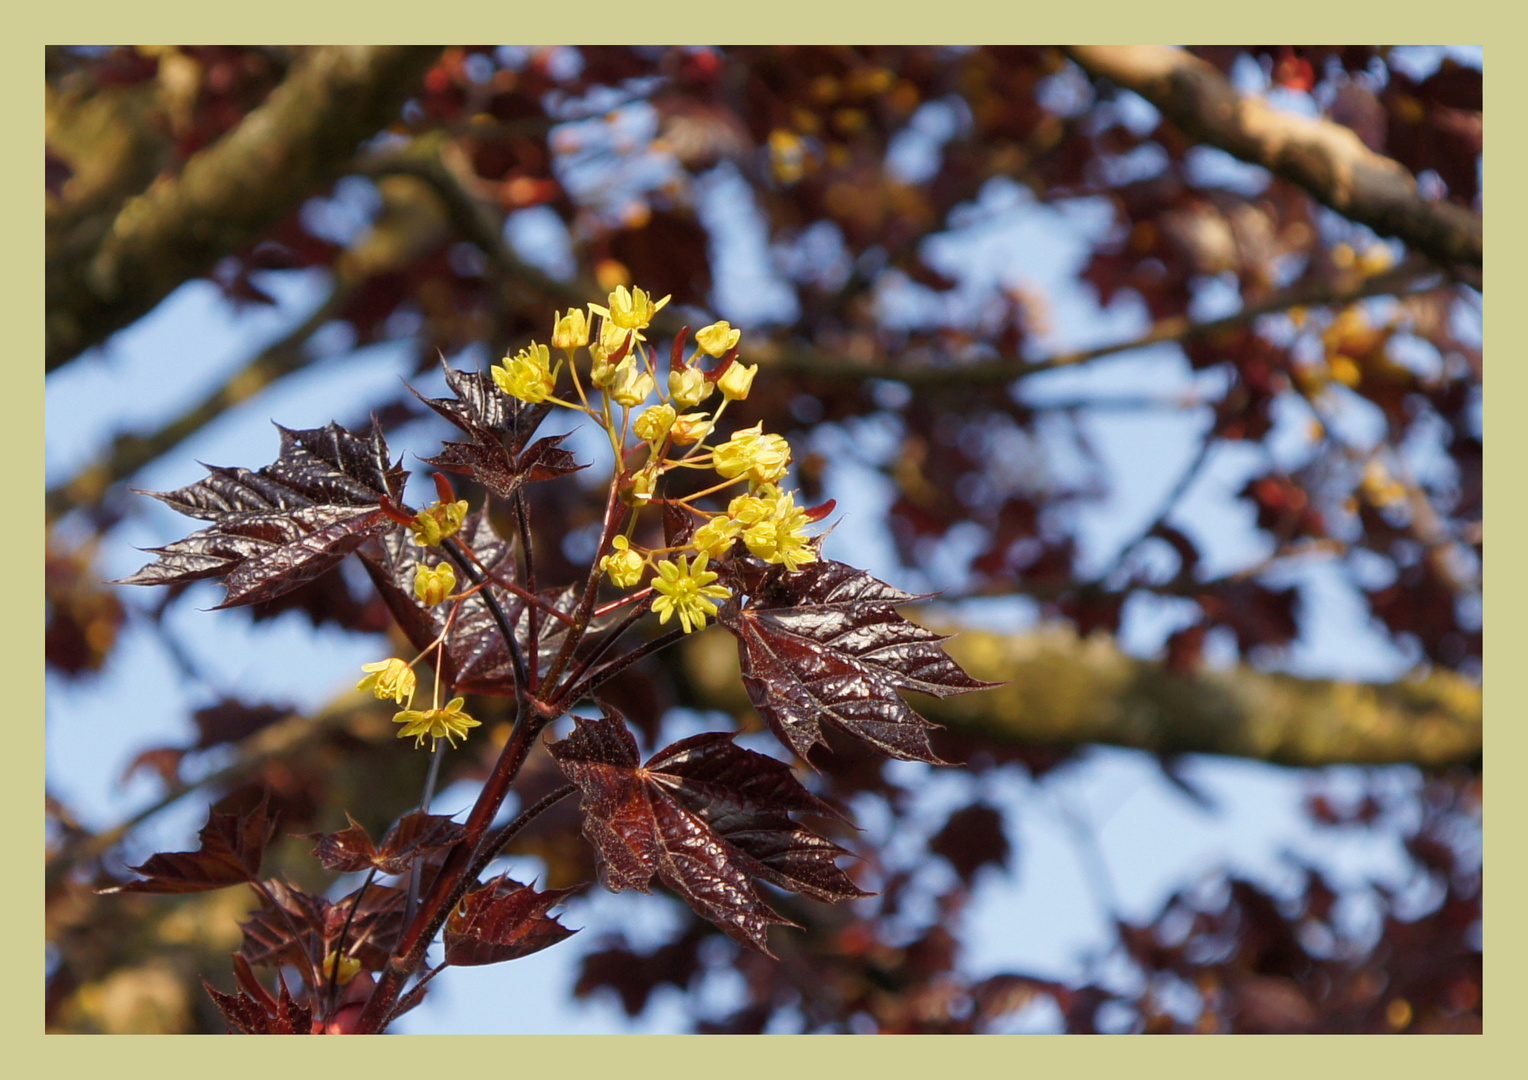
285,524
498,426
503,920
825,645
232,844
706,817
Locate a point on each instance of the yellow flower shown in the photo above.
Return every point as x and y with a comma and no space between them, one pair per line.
631,385
630,310
341,969
687,591
433,586
624,565
654,423
645,483
688,387
450,723
762,457
571,331
781,537
714,538
528,375
438,521
717,338
690,428
752,509
603,370
737,380
390,678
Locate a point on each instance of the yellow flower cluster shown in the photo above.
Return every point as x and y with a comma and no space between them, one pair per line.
674,427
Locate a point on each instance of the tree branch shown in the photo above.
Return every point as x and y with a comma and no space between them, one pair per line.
1064,692
1325,158
300,139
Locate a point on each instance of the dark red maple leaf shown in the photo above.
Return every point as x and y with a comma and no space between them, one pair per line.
706,817
252,1010
296,927
503,920
499,427
232,844
825,645
351,850
285,524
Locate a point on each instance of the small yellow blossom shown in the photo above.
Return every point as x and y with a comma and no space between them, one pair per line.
754,508
717,338
736,381
762,457
571,331
624,565
433,586
631,385
654,423
340,969
438,521
687,591
630,309
450,723
690,428
527,375
781,537
714,538
688,387
390,678
645,483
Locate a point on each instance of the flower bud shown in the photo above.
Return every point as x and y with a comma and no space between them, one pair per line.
623,565
688,387
718,338
736,381
690,428
631,385
571,331
433,586
654,423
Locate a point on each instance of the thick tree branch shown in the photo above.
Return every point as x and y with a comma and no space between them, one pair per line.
1064,692
300,139
1326,159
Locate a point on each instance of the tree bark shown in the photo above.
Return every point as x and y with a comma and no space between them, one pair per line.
1325,158
1060,691
299,140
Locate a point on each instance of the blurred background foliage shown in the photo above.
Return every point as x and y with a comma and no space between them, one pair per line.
957,268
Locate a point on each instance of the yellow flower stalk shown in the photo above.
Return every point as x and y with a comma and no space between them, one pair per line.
686,590
390,678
